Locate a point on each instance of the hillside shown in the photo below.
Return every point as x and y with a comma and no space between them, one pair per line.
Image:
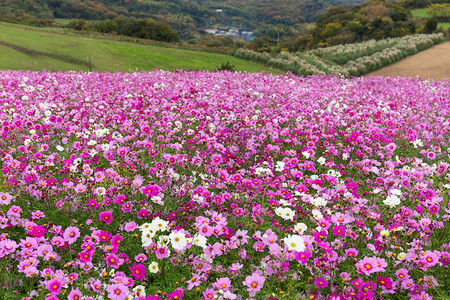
184,15
27,48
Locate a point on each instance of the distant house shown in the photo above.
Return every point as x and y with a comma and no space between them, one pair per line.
219,10
232,33
211,31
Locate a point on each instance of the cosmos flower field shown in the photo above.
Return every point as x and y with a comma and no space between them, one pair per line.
198,185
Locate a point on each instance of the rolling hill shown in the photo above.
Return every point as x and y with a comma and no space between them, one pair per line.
29,48
184,15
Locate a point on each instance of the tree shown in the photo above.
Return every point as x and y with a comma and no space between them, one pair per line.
331,29
78,24
431,25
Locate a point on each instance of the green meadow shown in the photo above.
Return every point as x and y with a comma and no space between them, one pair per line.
29,48
444,25
420,13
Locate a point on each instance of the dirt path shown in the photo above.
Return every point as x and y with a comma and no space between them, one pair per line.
432,63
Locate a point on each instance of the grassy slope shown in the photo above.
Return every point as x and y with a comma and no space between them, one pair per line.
108,55
444,25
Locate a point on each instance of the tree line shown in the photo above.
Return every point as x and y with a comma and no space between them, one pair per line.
139,28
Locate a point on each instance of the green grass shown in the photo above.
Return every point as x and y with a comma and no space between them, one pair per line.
420,13
55,50
444,25
62,21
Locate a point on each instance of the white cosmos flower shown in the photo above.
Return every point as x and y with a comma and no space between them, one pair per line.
147,236
144,226
300,228
157,200
285,212
153,267
200,240
317,214
140,290
321,160
392,201
319,201
159,224
280,166
294,242
178,240
396,192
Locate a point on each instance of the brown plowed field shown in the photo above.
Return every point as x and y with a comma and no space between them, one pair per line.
433,63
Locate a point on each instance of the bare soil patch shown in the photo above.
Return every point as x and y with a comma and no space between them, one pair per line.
433,63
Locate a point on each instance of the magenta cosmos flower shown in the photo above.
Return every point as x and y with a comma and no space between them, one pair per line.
106,216
254,282
321,282
138,271
54,286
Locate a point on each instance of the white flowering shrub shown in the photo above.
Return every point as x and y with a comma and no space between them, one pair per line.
347,60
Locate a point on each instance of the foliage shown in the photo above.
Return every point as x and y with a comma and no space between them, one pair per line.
440,11
185,16
226,67
141,28
371,20
431,25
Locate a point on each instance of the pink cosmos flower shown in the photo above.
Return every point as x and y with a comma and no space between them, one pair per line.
141,257
106,216
75,294
71,234
29,243
14,210
122,151
367,266
58,241
99,176
209,293
162,252
254,283
80,188
194,281
117,291
96,285
130,226
5,198
223,283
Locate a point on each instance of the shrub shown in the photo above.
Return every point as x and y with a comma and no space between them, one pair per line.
226,67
